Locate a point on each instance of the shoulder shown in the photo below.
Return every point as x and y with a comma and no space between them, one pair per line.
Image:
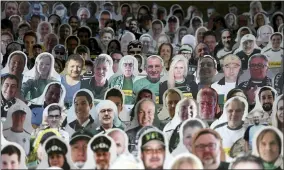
220,126
34,106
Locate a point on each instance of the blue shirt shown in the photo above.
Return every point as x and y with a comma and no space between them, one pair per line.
37,112
70,90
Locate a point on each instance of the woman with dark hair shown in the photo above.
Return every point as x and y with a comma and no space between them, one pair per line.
166,53
74,23
113,45
277,20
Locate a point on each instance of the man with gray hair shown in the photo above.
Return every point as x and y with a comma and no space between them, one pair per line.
258,67
154,68
96,81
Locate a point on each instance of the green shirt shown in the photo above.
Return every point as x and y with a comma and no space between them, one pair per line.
144,83
127,90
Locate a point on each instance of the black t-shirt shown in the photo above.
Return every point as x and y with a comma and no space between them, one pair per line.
223,166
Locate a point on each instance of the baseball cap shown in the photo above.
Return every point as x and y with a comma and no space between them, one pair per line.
153,135
101,143
55,145
80,135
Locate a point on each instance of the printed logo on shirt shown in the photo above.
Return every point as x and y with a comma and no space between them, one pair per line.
157,99
187,95
127,92
274,64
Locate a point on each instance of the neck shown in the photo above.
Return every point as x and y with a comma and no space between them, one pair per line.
107,126
214,166
234,125
81,121
43,76
229,80
100,83
153,80
72,79
181,79
17,129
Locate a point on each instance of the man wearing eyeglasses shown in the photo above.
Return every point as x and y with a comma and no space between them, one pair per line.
153,150
53,120
207,146
258,67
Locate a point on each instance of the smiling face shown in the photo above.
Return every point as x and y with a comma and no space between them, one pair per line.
258,68
101,71
165,53
276,40
16,64
207,69
146,113
171,101
9,88
187,136
106,116
268,146
235,112
154,68
265,33
153,155
44,66
82,107
106,38
280,110
179,70
57,160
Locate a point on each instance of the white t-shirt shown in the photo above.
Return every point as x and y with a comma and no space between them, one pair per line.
274,57
223,89
229,136
22,138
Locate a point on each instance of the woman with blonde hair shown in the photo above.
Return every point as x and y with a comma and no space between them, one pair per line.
186,161
178,78
277,113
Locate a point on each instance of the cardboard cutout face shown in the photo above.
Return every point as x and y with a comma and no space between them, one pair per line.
121,140
16,64
207,100
264,32
128,66
12,156
17,127
125,40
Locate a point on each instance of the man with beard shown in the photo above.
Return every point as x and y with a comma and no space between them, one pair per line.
266,97
207,69
250,131
153,150
78,144
133,27
247,49
154,68
227,46
207,146
258,67
9,90
101,148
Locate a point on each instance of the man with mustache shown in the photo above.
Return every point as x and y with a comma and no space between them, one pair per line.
207,146
266,97
227,43
232,130
258,67
154,68
79,143
153,150
101,148
250,131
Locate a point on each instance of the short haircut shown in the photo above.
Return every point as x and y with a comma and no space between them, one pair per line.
53,108
115,93
209,92
264,57
32,34
84,29
192,124
171,91
72,37
100,60
233,91
57,85
142,101
154,57
276,34
245,159
265,89
76,57
209,33
106,30
10,76
207,131
84,94
10,150
237,100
